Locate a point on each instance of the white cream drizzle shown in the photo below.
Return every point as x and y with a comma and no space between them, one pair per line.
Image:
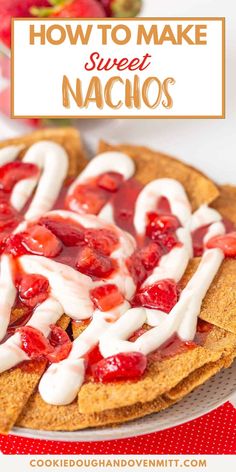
70,289
9,153
53,160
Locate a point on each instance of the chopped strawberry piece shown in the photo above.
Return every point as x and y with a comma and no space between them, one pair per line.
106,297
70,234
168,241
87,198
122,366
13,245
33,289
150,255
39,240
93,357
33,342
227,243
160,224
111,181
142,262
103,240
162,295
91,263
61,344
12,172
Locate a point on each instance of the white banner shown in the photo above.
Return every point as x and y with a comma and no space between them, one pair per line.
156,67
115,463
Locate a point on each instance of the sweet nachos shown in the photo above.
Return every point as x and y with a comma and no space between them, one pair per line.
117,282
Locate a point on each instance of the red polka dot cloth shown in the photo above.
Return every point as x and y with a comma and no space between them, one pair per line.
214,433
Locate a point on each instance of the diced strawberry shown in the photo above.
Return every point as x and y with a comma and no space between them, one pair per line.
168,241
227,243
122,366
87,198
143,261
111,181
150,255
33,342
93,357
102,240
61,344
70,234
13,172
91,263
39,240
158,224
33,289
162,295
106,297
13,245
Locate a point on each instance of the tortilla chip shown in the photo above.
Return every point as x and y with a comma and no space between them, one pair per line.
219,304
39,415
153,165
198,377
160,376
226,202
18,384
69,138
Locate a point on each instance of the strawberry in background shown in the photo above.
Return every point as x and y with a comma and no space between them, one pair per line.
15,8
122,8
63,9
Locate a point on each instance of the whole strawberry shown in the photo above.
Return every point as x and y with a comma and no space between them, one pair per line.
122,8
71,9
15,8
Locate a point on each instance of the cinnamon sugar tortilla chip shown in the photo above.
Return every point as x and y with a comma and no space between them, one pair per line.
226,202
219,305
198,377
153,165
18,384
39,415
69,138
159,377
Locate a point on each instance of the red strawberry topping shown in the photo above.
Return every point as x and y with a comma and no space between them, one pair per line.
33,289
162,295
94,264
227,243
13,172
143,261
88,198
39,240
111,181
61,344
106,297
69,233
122,366
102,240
158,224
33,342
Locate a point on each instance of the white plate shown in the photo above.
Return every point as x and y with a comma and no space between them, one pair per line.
209,396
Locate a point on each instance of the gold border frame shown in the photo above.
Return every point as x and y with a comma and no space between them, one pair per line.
222,116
